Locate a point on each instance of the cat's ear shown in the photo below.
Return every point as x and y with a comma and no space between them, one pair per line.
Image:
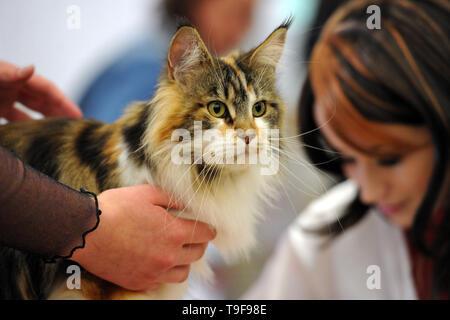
187,54
270,51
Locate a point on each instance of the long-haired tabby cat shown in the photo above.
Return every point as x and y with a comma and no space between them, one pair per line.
233,92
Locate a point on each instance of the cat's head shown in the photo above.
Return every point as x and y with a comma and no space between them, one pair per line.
231,101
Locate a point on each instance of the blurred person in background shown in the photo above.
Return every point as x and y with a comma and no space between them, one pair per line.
134,75
374,111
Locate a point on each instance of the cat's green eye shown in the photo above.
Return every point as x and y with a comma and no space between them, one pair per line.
259,109
217,109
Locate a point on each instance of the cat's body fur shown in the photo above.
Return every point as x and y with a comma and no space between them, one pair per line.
135,150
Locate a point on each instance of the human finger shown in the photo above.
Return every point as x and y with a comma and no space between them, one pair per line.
14,114
48,98
11,74
160,198
175,274
47,108
195,232
190,253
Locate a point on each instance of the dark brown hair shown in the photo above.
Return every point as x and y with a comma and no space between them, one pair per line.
176,12
397,74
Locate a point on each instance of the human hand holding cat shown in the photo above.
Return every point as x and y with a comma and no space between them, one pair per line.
33,91
138,244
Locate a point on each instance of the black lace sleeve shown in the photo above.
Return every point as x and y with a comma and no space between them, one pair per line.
39,214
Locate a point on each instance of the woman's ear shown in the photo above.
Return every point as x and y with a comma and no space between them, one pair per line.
187,55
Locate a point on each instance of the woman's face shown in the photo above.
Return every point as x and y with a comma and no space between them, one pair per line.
394,182
222,23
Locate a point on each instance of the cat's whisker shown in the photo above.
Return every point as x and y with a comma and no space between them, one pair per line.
315,129
186,205
169,147
213,203
162,150
167,159
301,144
313,194
287,196
289,155
199,211
296,187
199,185
296,156
201,207
143,146
321,149
205,175
308,166
297,160
188,170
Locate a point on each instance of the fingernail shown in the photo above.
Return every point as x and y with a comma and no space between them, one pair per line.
212,229
25,70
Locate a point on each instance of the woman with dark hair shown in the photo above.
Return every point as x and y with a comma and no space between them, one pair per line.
375,111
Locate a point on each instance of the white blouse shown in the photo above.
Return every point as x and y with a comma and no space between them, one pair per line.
370,260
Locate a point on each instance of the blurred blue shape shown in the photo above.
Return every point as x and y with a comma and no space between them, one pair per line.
131,77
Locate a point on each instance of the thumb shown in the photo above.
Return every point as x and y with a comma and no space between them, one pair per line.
25,73
10,73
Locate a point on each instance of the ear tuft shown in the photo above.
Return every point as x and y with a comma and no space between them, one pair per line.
183,22
187,53
286,24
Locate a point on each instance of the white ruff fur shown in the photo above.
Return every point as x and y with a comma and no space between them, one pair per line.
233,209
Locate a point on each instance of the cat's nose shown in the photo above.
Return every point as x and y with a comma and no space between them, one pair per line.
247,137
